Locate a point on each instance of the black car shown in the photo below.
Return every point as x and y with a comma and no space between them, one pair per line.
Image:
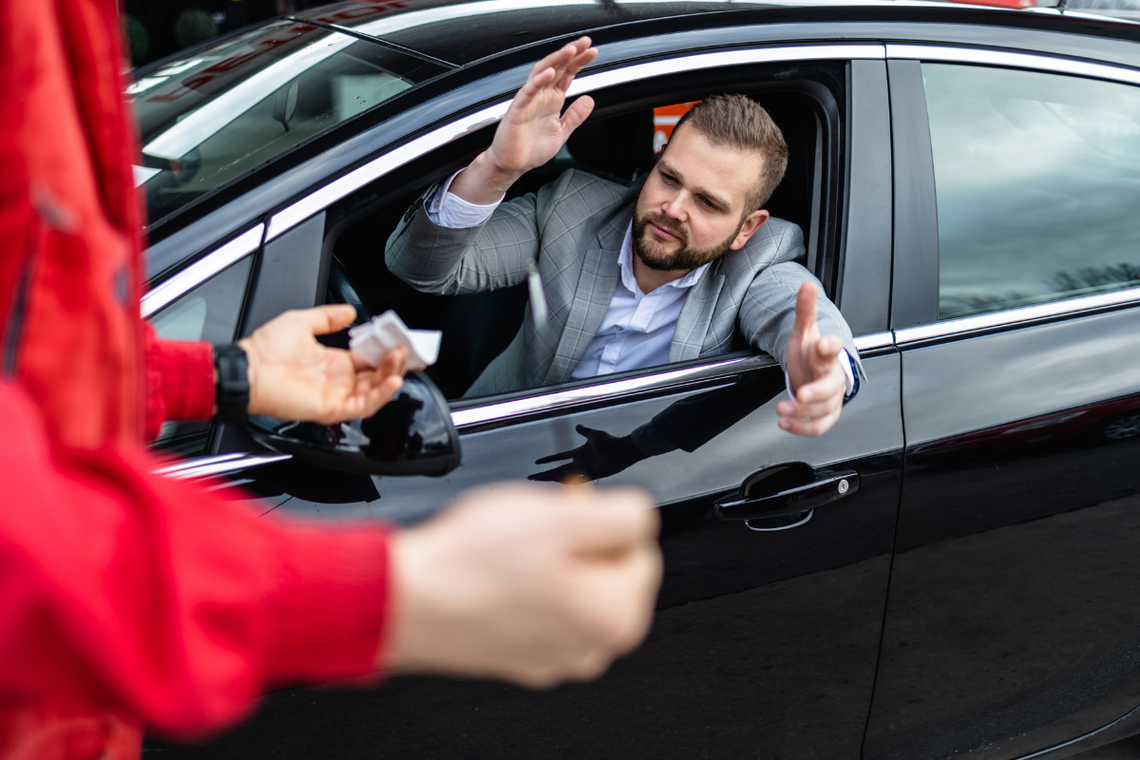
953,570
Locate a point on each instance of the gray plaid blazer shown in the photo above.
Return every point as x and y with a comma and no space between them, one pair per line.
574,228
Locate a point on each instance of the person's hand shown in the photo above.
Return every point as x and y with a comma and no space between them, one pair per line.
535,585
293,377
600,456
815,372
534,128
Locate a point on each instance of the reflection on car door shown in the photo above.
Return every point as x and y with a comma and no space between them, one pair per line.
1011,623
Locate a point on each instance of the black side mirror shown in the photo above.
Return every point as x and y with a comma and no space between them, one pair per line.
411,435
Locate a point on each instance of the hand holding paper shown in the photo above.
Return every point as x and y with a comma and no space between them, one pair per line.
387,332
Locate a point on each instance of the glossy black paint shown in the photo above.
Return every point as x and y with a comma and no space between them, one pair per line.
1011,622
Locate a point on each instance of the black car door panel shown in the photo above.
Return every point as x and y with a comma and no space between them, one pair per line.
764,641
1010,625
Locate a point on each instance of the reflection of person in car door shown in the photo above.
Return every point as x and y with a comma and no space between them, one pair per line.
635,277
131,600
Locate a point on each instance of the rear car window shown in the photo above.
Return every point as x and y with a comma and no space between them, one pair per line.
1038,186
207,119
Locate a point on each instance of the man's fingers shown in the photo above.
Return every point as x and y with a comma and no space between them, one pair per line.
530,91
806,308
809,428
575,65
577,113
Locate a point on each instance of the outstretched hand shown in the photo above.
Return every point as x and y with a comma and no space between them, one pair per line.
815,372
293,377
534,128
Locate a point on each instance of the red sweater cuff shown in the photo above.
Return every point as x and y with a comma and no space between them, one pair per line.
188,378
331,577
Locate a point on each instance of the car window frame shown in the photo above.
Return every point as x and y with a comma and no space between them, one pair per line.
914,300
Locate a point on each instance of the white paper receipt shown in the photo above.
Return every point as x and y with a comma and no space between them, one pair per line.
376,337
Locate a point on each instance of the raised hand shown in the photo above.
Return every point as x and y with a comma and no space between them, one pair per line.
293,377
534,128
815,372
533,584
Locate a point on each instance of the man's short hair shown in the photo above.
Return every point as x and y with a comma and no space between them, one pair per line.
739,122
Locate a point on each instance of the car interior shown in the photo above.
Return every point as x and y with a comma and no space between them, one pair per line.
616,146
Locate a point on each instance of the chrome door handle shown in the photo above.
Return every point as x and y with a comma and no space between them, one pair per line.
830,487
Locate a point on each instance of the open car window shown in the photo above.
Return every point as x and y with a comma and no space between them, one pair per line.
618,144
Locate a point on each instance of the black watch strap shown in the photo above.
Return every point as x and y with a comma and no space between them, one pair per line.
231,395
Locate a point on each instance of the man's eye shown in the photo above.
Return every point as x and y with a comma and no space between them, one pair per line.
708,204
669,180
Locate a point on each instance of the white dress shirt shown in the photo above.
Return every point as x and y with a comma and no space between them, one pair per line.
638,328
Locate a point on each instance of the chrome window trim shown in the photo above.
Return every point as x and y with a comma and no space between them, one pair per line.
872,341
202,270
324,197
1015,317
218,465
1035,61
546,402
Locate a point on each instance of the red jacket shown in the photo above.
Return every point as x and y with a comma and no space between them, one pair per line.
126,599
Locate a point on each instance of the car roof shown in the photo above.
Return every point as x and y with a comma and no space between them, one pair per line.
469,30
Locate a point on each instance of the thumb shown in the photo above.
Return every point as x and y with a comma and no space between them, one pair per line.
806,308
329,318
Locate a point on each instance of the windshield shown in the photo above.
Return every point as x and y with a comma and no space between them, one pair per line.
208,119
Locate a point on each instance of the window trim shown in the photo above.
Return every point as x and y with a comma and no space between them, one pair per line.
201,270
478,415
1018,317
482,413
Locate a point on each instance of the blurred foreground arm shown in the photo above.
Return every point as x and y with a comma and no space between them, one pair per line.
535,585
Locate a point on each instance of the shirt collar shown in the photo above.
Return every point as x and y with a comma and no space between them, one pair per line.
625,260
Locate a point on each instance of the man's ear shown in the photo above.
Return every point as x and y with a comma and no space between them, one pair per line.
752,222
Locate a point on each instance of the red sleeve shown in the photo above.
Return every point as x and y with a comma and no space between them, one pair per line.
180,380
125,591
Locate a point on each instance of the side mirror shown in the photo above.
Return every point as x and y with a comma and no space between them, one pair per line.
411,435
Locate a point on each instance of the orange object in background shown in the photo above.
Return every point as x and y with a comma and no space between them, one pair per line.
664,119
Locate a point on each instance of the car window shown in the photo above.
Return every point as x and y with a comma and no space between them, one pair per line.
209,118
1038,186
618,145
209,312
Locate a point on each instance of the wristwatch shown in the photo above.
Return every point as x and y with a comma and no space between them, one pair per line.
231,395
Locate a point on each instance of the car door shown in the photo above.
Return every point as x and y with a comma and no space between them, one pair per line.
1011,624
768,623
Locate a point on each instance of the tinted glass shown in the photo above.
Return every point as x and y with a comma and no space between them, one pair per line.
209,312
209,118
1038,181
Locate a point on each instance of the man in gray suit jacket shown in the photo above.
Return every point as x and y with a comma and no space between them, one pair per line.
639,276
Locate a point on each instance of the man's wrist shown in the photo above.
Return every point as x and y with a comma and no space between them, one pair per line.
483,182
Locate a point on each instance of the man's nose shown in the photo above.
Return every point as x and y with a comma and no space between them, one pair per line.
674,207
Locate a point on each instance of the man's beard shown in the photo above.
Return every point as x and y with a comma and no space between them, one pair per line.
685,257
